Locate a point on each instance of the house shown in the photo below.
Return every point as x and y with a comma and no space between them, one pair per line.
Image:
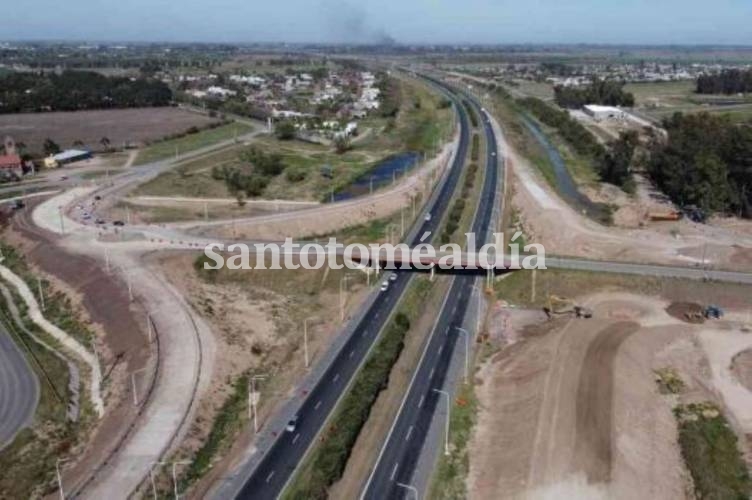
10,162
67,156
599,112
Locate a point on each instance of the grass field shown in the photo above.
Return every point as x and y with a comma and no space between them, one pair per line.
118,125
166,149
662,99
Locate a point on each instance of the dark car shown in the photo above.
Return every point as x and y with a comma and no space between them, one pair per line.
118,223
99,221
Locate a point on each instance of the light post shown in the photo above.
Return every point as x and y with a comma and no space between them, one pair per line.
466,334
175,477
305,340
410,488
151,478
59,476
342,280
446,434
133,384
252,400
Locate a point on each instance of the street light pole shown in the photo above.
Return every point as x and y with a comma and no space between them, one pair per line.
446,434
467,349
411,489
344,279
59,476
252,400
175,477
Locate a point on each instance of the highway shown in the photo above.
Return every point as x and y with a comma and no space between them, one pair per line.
19,389
275,469
401,451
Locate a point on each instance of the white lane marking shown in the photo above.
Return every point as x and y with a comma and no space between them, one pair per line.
336,377
394,472
420,403
430,375
441,349
317,405
295,438
409,433
351,353
269,477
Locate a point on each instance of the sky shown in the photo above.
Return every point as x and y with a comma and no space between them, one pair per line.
366,21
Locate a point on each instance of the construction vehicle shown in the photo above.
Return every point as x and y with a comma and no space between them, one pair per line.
665,216
713,312
558,306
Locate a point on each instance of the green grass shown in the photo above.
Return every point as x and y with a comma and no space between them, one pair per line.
450,476
326,462
166,149
28,464
710,450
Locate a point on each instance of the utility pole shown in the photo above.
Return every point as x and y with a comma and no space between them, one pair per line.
60,477
133,385
175,477
342,280
41,293
448,408
410,488
466,334
252,400
149,329
62,225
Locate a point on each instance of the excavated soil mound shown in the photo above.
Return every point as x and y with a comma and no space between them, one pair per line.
688,312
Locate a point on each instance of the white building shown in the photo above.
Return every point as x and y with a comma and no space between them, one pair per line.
600,113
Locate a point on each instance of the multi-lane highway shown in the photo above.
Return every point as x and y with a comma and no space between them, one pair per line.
275,469
399,455
19,389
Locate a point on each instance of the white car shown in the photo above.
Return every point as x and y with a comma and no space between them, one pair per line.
292,424
385,286
393,277
428,217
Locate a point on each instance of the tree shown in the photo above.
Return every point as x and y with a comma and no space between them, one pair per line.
50,147
616,164
342,144
105,142
285,130
78,143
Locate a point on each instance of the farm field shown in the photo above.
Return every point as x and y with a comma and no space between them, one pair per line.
118,125
166,149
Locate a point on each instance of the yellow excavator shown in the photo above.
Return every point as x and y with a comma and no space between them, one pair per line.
558,306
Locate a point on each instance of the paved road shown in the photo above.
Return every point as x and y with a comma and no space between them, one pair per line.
274,470
401,451
693,273
19,389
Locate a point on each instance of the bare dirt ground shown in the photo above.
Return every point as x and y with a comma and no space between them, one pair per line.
257,321
122,342
571,409
118,125
329,218
543,215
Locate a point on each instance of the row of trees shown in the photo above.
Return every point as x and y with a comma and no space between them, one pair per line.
391,95
706,160
251,176
605,92
613,162
728,81
78,90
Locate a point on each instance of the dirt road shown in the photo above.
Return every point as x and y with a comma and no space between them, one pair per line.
572,410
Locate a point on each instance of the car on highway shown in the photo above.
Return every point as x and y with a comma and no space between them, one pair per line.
428,217
385,286
393,277
292,424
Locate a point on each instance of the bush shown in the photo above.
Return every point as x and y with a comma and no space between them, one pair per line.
285,130
329,460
